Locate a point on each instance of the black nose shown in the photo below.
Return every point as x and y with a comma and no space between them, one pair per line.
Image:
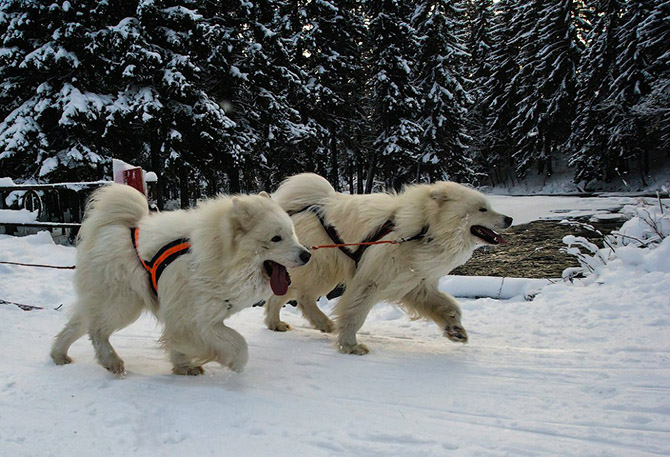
305,256
508,221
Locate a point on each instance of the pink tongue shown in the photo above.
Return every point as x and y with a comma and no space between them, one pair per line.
499,238
496,236
278,280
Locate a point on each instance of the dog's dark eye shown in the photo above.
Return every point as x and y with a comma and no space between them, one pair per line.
483,210
276,239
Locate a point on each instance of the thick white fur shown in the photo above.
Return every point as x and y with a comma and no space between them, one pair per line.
231,238
406,274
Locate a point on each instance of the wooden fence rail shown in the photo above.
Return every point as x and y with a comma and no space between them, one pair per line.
58,206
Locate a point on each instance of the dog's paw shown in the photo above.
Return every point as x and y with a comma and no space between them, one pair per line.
188,371
116,367
457,334
326,327
279,326
357,349
61,359
237,366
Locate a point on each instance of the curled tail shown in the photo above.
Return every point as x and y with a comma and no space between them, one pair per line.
303,190
114,204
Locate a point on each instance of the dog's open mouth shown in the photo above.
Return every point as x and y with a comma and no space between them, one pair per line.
488,235
279,277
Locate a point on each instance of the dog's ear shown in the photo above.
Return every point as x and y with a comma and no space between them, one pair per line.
243,219
264,194
439,194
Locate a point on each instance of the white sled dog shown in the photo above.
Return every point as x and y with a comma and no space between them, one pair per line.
236,251
438,225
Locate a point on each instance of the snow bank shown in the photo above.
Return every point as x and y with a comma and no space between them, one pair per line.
635,244
647,224
489,286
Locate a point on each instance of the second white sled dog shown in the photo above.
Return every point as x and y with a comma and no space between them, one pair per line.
240,248
442,224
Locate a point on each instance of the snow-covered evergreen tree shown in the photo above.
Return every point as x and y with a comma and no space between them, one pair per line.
550,39
500,96
628,140
441,66
92,80
654,107
333,39
166,53
616,77
272,94
395,99
480,68
589,137
527,126
237,95
52,105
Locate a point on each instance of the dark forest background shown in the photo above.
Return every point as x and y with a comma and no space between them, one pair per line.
233,96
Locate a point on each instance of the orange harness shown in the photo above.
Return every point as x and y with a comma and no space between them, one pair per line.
164,257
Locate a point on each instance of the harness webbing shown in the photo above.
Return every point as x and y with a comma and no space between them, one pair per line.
378,235
160,261
356,255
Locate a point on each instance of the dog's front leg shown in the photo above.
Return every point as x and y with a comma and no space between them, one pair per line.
273,307
229,347
183,365
351,311
441,308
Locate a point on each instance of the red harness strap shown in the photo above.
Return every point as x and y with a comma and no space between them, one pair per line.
164,257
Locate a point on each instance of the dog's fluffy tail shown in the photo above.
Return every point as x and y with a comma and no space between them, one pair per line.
114,204
301,191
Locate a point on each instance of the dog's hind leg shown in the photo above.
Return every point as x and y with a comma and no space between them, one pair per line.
105,353
350,312
441,308
272,309
182,364
314,315
74,329
106,318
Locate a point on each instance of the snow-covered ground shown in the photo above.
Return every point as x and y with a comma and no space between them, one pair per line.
581,370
